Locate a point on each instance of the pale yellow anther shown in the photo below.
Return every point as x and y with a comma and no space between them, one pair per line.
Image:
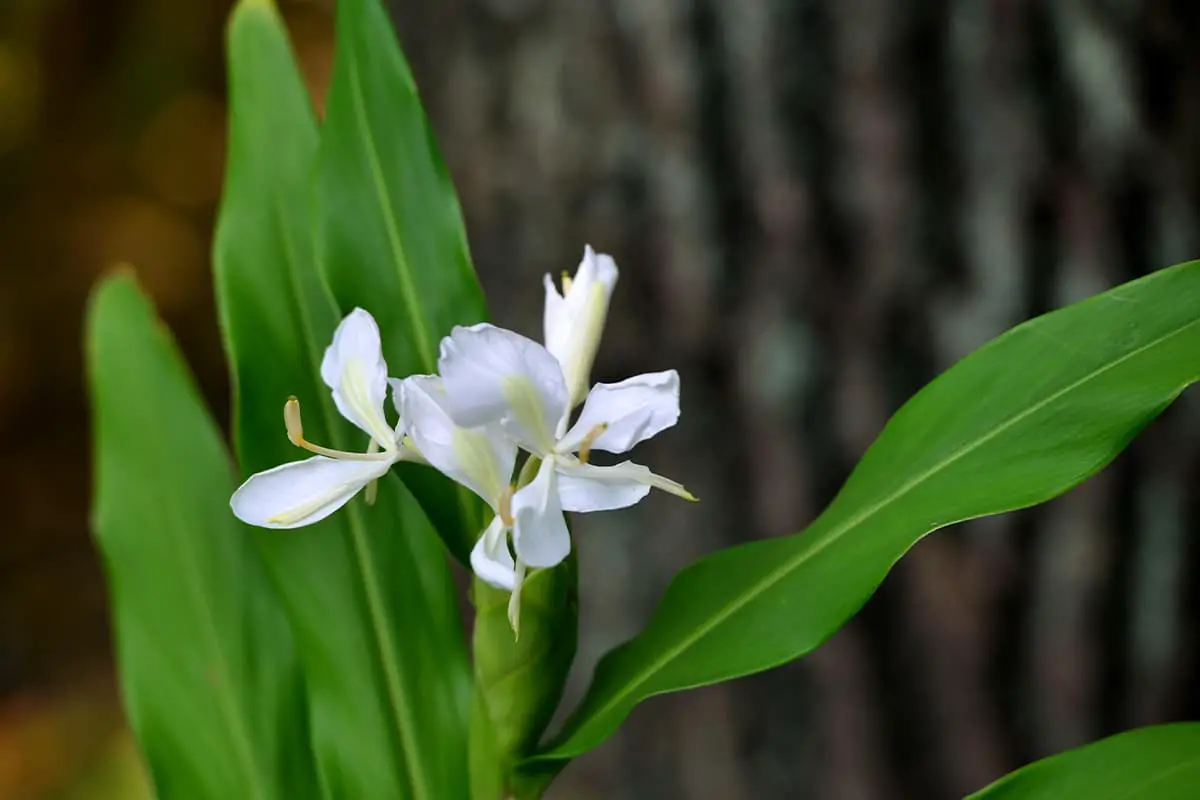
585,447
293,422
295,433
566,282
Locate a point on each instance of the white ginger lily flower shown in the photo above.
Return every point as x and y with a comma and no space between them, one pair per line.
491,374
574,320
303,492
482,459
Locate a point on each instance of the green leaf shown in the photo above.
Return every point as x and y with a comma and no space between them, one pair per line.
368,590
1023,419
1162,762
391,233
208,672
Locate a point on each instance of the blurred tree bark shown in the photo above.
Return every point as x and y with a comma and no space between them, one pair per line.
817,207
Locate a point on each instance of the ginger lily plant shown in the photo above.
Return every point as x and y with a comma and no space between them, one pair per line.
328,660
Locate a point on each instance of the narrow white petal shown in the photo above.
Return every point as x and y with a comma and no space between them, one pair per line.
514,600
490,558
587,487
555,320
481,459
354,369
599,268
630,411
302,492
540,536
494,375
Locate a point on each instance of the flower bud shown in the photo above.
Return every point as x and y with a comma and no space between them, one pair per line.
574,320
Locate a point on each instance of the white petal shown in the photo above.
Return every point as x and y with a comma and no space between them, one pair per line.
481,459
494,375
633,410
354,369
573,326
514,600
587,487
302,492
540,536
490,558
555,321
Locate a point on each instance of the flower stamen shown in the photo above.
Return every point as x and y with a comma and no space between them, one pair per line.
295,432
585,446
505,509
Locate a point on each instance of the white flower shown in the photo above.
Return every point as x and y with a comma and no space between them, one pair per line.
482,459
493,375
303,492
574,320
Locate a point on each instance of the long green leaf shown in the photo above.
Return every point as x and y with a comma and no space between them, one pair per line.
1161,762
1023,419
368,590
208,673
391,232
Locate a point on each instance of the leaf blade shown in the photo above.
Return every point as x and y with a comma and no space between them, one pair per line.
390,228
190,599
368,590
1023,419
1165,758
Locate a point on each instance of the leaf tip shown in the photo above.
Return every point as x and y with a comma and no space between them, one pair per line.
244,9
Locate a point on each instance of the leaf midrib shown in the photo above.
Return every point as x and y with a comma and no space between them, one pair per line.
836,533
416,312
412,302
401,713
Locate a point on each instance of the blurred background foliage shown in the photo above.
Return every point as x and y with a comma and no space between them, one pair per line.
816,206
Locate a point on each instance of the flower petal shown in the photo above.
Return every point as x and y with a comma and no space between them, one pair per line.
632,411
490,558
481,459
302,492
494,375
540,536
354,369
574,321
587,487
555,321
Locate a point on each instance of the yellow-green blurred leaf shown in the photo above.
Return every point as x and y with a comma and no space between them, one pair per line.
210,680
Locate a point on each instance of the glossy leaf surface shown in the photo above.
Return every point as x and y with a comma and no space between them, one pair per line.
1162,763
1021,420
367,590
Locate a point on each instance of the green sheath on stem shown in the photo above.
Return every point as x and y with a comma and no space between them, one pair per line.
519,682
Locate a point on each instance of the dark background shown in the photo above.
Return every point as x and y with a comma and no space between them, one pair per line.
816,206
